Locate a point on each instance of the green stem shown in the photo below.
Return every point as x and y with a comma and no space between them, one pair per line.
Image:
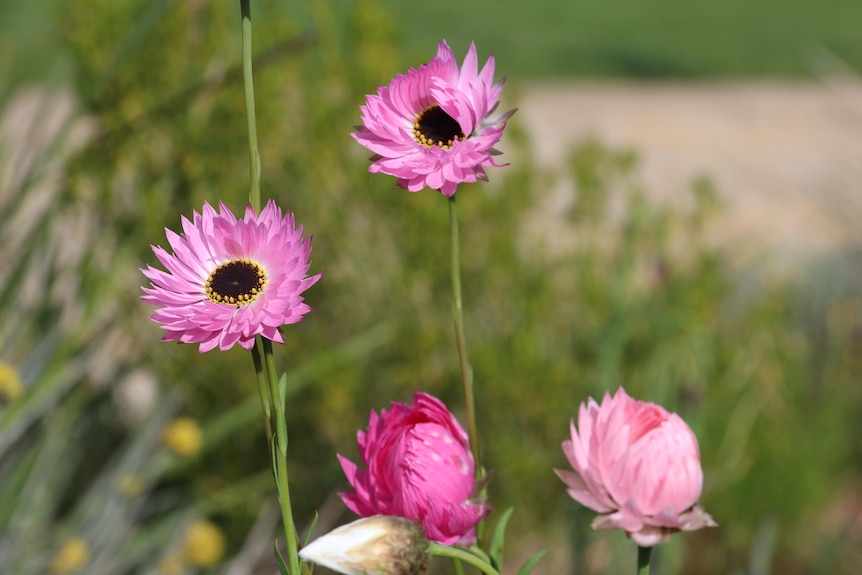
248,82
460,340
271,391
643,560
438,550
279,455
263,387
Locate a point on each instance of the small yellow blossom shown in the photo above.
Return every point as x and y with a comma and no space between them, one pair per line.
130,485
71,557
183,436
204,544
173,564
10,383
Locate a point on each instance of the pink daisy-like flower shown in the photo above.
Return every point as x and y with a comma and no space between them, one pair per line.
229,280
433,127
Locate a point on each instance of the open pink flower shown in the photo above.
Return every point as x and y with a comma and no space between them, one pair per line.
419,466
638,466
433,127
229,280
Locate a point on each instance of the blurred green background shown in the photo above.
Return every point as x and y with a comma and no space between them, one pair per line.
118,117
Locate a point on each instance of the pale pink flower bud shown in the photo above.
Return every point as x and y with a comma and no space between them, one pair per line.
371,546
418,465
638,466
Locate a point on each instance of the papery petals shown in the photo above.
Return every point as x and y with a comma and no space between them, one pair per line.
269,244
638,466
418,465
465,95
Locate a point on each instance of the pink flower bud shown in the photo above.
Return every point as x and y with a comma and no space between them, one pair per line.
419,466
638,466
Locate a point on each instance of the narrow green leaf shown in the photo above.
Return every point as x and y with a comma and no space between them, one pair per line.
310,531
531,563
282,565
282,387
495,552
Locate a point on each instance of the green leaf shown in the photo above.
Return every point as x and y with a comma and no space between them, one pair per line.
310,531
282,387
495,552
282,565
531,562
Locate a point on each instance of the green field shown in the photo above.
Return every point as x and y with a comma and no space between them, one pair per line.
558,38
641,38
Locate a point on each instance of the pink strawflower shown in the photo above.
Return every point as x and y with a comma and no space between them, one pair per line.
419,466
433,127
638,466
229,280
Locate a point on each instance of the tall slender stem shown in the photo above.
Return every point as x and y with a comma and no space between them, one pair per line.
248,82
279,455
263,386
643,560
271,392
460,340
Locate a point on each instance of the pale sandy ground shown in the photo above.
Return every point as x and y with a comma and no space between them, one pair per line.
785,156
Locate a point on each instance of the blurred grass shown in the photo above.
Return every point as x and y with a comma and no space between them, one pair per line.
638,38
548,38
765,372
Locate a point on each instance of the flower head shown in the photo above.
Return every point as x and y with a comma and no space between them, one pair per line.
419,466
370,546
203,544
229,280
434,126
183,436
11,387
638,466
72,556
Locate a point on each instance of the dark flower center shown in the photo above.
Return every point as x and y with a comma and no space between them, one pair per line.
434,127
237,282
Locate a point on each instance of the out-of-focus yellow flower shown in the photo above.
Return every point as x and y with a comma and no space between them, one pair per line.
71,557
183,436
204,544
10,383
173,564
130,485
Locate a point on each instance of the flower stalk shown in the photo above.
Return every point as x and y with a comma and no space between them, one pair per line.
279,455
271,393
248,83
644,554
272,400
460,339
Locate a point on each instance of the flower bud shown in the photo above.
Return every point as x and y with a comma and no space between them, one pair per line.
418,465
638,466
372,546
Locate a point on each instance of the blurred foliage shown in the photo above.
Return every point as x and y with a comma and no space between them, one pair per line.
658,39
615,290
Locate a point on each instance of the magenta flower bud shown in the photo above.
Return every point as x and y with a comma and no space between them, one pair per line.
638,466
418,465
